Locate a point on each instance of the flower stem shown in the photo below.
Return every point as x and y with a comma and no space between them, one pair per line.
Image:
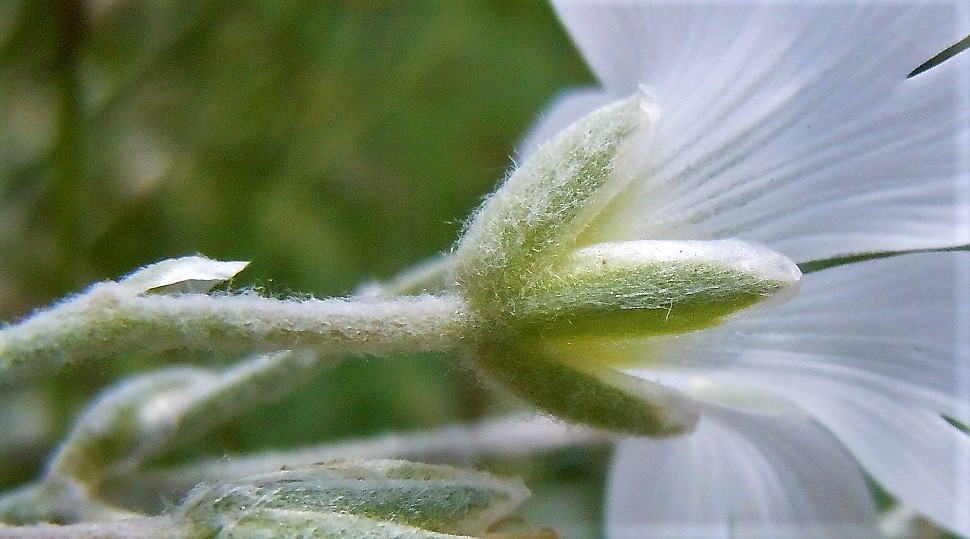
108,320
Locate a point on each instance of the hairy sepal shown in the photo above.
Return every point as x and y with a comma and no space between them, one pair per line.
540,210
586,391
644,288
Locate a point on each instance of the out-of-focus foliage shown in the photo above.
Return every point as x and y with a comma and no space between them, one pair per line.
328,142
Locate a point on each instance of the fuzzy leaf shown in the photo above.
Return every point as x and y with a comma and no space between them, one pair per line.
358,499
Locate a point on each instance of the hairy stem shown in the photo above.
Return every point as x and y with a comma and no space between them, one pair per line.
108,320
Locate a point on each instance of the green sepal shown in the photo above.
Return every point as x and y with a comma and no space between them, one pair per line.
586,391
537,214
644,288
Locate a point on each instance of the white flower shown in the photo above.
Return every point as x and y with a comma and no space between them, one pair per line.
793,124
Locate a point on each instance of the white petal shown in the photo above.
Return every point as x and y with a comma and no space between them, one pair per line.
899,323
911,451
875,351
738,476
791,123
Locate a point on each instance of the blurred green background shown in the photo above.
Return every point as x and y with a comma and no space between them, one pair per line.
330,143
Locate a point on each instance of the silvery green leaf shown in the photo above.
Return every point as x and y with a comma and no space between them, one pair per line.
347,498
295,523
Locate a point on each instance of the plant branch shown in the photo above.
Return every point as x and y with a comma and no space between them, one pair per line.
514,435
